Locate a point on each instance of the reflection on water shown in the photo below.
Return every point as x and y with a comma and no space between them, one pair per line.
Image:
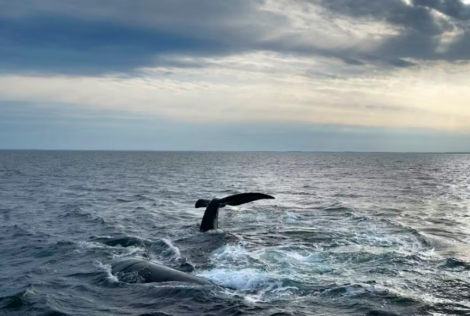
374,234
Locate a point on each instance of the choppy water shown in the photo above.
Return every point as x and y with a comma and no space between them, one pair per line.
355,234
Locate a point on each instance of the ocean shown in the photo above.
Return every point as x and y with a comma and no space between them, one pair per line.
348,233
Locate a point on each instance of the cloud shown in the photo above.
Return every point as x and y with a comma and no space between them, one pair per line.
397,64
53,127
96,37
265,88
394,12
453,8
103,36
425,29
64,45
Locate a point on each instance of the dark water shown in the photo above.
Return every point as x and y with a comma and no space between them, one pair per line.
348,234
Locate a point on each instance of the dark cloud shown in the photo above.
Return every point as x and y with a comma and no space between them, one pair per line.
95,37
68,45
453,8
395,12
352,61
104,36
400,63
419,28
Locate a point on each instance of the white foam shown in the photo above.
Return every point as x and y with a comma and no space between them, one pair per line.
260,296
215,231
354,291
128,251
91,245
246,279
301,257
281,262
231,255
264,293
173,248
253,298
106,268
264,271
29,291
283,255
290,217
85,245
430,254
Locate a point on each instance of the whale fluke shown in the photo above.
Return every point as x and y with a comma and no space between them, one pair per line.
202,203
243,198
210,219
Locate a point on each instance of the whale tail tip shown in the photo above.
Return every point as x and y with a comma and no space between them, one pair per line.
236,199
202,203
243,198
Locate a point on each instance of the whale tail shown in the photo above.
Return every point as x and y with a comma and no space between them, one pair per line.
236,199
202,203
243,198
210,219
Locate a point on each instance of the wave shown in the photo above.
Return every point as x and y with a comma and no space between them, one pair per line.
75,211
18,300
456,264
135,198
107,269
18,231
245,279
159,249
123,241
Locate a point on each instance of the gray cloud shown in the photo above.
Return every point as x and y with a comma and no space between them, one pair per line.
95,37
453,8
118,36
419,28
395,12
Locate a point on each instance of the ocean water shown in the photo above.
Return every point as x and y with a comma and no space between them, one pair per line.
348,234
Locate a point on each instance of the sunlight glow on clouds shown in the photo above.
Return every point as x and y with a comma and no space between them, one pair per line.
261,88
391,63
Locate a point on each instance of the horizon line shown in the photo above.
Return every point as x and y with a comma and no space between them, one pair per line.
243,151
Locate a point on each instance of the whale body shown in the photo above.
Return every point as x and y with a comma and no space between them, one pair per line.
151,272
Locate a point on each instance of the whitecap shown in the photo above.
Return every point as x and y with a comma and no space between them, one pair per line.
232,255
128,251
106,268
245,279
290,217
175,250
86,245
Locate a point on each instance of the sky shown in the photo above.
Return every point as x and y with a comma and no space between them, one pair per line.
281,75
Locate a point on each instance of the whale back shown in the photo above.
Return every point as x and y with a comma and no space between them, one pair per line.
151,272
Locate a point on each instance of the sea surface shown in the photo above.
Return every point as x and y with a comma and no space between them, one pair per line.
348,234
